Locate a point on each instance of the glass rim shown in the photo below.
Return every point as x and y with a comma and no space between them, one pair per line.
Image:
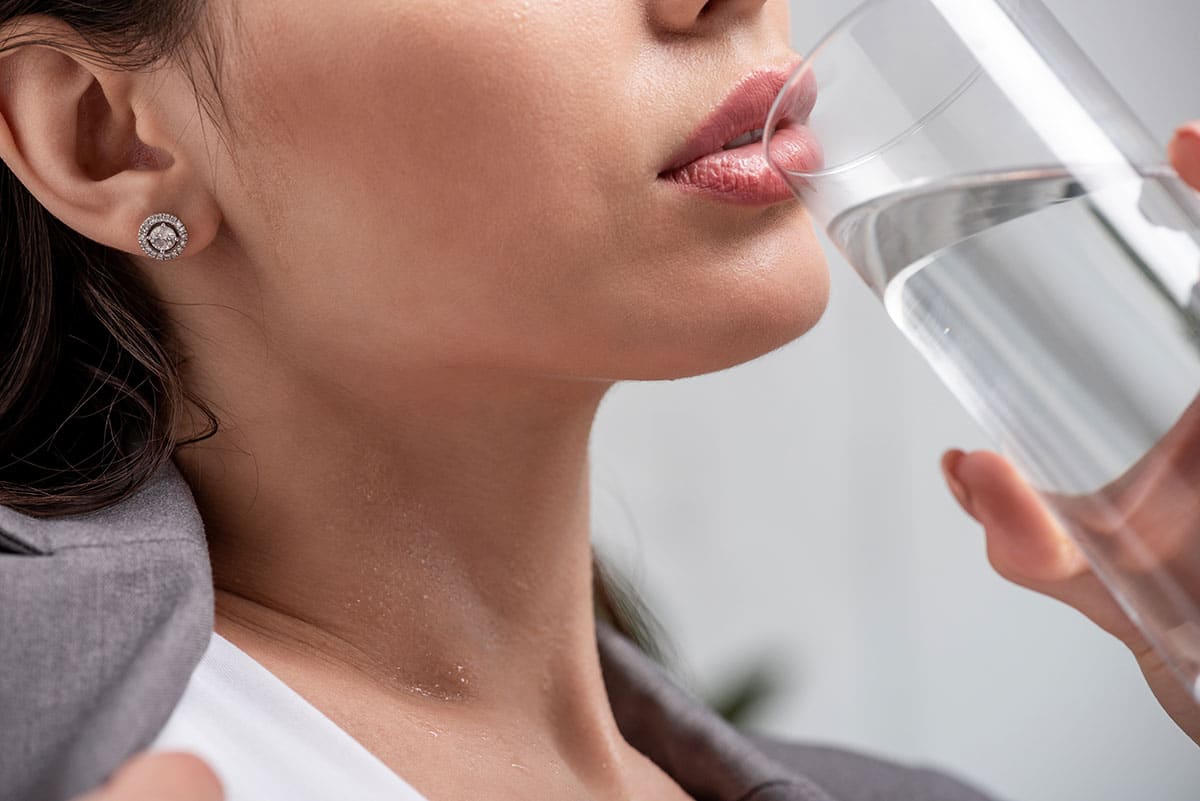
776,114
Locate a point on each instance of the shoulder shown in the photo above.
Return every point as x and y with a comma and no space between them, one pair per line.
104,617
855,776
711,758
161,510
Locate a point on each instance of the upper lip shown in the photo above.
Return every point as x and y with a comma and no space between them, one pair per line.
744,109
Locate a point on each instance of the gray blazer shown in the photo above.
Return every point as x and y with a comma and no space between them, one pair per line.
103,617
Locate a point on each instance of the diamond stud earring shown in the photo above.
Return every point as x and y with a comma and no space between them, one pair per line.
163,236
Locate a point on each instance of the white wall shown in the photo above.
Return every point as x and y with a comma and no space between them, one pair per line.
792,509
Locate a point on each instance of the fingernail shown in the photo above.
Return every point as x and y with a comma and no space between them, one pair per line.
1189,130
950,464
1185,153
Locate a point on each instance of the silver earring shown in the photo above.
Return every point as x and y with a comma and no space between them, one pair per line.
163,236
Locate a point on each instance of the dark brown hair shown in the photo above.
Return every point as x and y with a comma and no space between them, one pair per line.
89,385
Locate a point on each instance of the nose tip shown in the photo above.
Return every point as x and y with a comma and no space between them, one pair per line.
690,16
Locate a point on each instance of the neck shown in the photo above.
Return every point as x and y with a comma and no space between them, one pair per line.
438,544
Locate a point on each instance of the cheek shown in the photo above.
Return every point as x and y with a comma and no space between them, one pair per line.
445,117
442,154
474,182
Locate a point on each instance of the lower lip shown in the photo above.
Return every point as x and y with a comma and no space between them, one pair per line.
742,175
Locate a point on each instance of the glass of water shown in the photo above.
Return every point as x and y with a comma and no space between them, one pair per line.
1021,228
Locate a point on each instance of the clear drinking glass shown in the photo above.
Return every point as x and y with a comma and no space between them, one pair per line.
1021,228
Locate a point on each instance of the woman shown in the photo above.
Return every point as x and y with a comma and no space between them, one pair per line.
400,251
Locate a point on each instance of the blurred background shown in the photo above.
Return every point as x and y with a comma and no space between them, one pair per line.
787,523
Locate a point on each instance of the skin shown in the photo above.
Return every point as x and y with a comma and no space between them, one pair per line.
164,776
427,241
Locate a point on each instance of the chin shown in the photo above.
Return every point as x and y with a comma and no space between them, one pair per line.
784,298
740,327
752,337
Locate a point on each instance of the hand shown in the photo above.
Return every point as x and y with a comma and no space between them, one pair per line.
161,776
1159,497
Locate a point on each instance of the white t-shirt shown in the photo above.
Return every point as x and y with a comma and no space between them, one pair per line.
266,742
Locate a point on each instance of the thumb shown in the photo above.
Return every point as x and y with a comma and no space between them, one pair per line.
163,776
1185,153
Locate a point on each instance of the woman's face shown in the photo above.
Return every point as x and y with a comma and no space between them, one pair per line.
476,183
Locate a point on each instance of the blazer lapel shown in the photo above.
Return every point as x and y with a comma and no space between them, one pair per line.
103,617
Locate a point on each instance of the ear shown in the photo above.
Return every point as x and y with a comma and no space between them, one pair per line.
102,149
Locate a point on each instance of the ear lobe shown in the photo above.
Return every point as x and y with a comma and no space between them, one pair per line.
69,133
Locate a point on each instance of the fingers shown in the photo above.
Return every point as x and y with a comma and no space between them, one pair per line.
1185,153
162,776
1024,542
1027,546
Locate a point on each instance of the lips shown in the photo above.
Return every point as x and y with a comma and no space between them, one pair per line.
724,158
